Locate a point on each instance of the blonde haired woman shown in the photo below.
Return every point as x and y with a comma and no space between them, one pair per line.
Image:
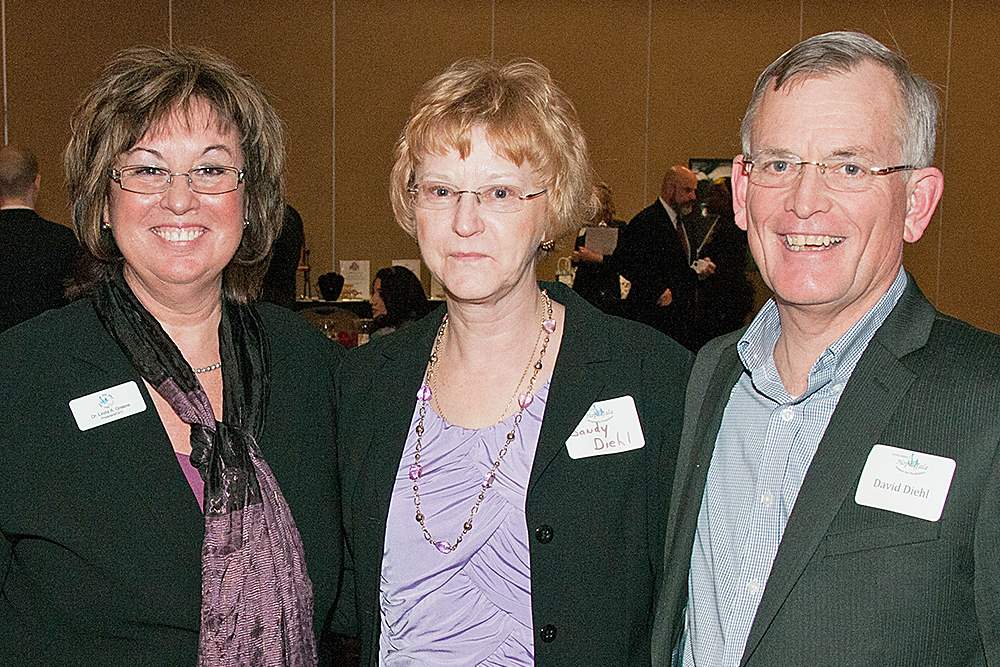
506,460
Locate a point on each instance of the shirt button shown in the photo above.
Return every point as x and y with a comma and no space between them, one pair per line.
767,499
753,586
544,533
837,388
788,414
547,633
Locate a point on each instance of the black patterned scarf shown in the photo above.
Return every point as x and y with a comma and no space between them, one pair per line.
256,597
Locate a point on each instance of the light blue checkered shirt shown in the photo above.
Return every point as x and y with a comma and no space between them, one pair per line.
762,452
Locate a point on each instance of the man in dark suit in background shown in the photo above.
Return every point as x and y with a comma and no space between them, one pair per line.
837,491
36,256
654,254
279,281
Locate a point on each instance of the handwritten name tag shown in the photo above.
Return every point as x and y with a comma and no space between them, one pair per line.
107,405
609,427
905,481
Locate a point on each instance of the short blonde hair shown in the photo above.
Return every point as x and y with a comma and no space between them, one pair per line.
526,118
142,87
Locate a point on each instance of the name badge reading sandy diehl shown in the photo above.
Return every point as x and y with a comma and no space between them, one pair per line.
905,481
107,405
609,427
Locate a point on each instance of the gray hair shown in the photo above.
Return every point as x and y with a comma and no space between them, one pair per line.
839,53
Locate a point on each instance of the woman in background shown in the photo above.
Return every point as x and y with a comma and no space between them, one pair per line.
165,447
397,299
506,461
596,282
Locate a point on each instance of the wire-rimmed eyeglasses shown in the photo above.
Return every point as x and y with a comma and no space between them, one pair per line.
853,175
494,198
147,180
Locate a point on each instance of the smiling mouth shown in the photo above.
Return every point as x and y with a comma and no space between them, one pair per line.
801,242
178,234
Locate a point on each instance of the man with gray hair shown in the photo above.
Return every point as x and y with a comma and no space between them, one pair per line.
36,256
837,488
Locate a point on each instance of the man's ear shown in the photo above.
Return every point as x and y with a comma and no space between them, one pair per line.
924,190
740,179
38,182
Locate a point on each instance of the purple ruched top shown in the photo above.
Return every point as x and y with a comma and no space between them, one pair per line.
473,605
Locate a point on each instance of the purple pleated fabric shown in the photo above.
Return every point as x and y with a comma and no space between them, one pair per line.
473,605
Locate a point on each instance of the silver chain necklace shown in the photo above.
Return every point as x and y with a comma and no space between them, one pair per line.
205,369
548,326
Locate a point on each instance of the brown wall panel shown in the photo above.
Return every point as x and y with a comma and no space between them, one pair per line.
53,54
289,49
970,282
385,51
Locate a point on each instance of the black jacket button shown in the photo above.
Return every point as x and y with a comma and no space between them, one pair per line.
544,533
547,633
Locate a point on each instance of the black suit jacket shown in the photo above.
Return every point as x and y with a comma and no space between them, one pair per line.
650,255
100,561
36,258
593,582
854,585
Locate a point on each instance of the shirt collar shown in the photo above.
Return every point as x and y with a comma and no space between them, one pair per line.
670,212
756,347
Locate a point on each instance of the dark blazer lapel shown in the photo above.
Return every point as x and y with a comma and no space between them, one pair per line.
155,485
403,361
879,381
703,416
577,379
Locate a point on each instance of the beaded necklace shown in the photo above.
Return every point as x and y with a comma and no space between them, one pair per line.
424,395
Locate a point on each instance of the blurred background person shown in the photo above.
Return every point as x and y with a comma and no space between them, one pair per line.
506,461
656,255
597,282
136,506
397,299
725,297
279,282
36,256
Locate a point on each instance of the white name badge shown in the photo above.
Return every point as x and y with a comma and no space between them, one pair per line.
609,427
107,405
905,481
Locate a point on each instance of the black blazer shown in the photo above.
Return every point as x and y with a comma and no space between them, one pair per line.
854,585
596,523
649,254
100,560
36,258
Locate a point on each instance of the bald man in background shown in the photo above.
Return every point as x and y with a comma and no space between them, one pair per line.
36,256
655,254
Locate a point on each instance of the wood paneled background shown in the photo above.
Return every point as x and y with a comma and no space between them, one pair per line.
655,82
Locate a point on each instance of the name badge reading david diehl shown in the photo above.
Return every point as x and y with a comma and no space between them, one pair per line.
609,427
905,481
107,405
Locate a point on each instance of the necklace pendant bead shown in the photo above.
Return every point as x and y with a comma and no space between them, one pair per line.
443,547
425,393
414,472
549,325
524,400
419,517
467,526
